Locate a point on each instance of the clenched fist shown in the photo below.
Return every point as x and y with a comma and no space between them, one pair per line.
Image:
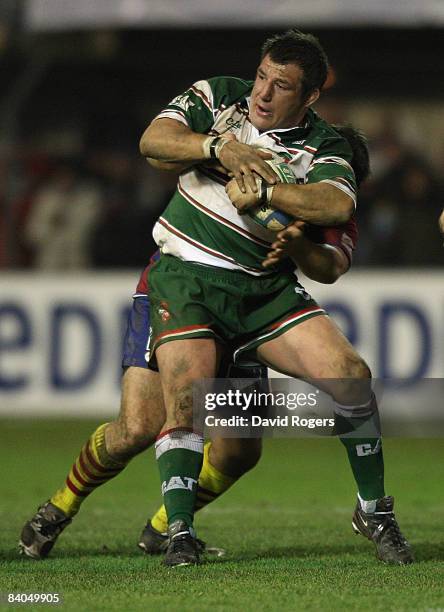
242,200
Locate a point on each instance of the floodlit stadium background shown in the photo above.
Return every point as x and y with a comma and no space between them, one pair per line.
80,82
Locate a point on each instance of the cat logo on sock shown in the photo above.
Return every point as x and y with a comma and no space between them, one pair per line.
178,482
362,450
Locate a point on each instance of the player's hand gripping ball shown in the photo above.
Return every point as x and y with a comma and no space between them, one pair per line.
265,214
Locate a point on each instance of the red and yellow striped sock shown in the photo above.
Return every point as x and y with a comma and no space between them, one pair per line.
92,468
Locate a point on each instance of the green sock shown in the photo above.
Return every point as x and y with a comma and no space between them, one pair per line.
361,436
179,456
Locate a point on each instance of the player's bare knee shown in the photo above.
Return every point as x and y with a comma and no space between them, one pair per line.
138,436
351,365
353,385
123,443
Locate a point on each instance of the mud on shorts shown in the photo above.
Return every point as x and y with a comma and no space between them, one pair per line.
190,300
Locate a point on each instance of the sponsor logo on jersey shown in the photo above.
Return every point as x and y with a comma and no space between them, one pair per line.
183,101
301,291
233,124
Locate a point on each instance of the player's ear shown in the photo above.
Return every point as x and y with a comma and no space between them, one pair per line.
312,97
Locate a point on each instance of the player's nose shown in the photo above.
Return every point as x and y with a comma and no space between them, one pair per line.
266,92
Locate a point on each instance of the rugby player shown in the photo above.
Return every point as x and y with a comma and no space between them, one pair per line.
142,412
323,254
209,290
141,417
113,445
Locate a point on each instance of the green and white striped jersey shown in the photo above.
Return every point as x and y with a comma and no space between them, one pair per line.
200,223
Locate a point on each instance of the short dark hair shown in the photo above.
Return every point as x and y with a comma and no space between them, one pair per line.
359,146
304,50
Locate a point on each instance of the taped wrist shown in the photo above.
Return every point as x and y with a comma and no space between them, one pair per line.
212,146
265,192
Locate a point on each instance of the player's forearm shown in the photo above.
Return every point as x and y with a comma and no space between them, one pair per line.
173,167
166,140
317,203
320,262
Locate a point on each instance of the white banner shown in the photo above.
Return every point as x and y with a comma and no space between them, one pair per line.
66,14
61,336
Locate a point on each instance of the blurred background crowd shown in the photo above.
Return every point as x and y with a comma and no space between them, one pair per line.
75,193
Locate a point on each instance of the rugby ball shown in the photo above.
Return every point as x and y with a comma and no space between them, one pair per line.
266,215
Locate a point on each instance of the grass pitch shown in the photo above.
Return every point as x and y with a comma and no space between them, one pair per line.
286,528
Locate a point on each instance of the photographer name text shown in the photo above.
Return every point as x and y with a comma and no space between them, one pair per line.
258,421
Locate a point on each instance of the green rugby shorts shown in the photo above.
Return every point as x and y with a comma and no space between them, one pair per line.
190,300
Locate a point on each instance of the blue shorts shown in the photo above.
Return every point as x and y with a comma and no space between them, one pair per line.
136,342
137,333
